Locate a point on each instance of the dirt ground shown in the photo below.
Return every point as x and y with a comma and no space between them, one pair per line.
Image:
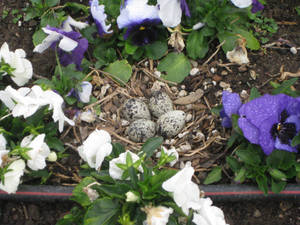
265,63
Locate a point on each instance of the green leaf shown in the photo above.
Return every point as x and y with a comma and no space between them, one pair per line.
196,45
277,186
55,143
241,175
176,65
216,110
285,87
277,174
114,191
120,71
252,42
51,3
151,145
254,93
156,50
281,159
235,125
214,176
130,48
75,7
102,211
248,156
233,163
296,140
79,195
261,180
230,40
38,37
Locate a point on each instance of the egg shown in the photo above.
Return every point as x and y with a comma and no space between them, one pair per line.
160,103
141,130
171,123
134,109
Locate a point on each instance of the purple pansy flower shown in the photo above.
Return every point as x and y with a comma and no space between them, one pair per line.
256,6
271,121
140,19
231,105
170,11
99,17
71,45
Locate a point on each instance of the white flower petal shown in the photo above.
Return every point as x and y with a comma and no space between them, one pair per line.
48,41
170,12
99,15
71,22
242,3
103,151
85,93
2,143
12,178
67,44
158,215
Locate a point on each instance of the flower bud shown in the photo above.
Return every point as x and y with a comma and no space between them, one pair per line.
52,157
131,197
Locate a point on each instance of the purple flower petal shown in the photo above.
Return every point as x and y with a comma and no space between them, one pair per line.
256,6
266,140
231,103
280,146
185,8
250,131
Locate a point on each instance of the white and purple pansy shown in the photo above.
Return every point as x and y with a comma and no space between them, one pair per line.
256,5
84,94
141,20
271,121
170,11
99,17
71,45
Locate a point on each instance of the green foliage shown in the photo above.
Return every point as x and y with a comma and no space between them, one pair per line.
176,66
214,176
120,71
285,87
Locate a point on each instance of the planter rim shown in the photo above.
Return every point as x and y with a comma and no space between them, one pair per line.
224,193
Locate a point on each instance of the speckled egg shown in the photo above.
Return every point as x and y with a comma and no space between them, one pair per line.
140,130
160,103
134,109
171,123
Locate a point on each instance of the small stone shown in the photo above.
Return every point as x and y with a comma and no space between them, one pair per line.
157,73
257,213
174,89
188,117
244,94
194,71
171,123
182,87
160,103
141,130
214,83
184,148
224,85
218,93
293,50
224,73
124,123
194,63
243,68
182,93
253,74
213,70
157,86
217,78
134,109
181,135
199,135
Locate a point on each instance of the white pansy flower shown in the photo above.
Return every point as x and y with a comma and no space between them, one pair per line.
38,152
23,67
95,148
208,214
70,22
87,116
242,3
99,16
157,215
25,102
186,193
12,178
2,142
169,152
114,171
131,197
85,93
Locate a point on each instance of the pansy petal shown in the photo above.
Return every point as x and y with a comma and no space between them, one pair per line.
99,16
85,93
47,42
266,140
170,12
67,44
231,103
295,119
256,6
242,3
281,146
185,8
250,131
66,26
103,151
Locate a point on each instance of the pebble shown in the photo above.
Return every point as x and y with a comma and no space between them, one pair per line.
174,89
194,71
171,123
224,73
217,78
181,135
124,123
293,50
214,83
213,70
188,117
194,63
157,73
157,86
257,213
184,148
218,93
242,68
141,130
182,93
199,135
182,87
244,94
224,85
160,103
134,109
253,74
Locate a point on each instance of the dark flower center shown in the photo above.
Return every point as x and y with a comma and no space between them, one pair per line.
144,35
284,131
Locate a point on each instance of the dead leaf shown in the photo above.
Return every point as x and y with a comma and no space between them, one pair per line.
191,98
284,75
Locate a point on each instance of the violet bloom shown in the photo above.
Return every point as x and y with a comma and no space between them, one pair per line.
256,6
71,45
271,121
141,20
99,17
231,104
170,11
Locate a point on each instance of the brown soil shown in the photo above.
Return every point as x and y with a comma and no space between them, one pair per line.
265,63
